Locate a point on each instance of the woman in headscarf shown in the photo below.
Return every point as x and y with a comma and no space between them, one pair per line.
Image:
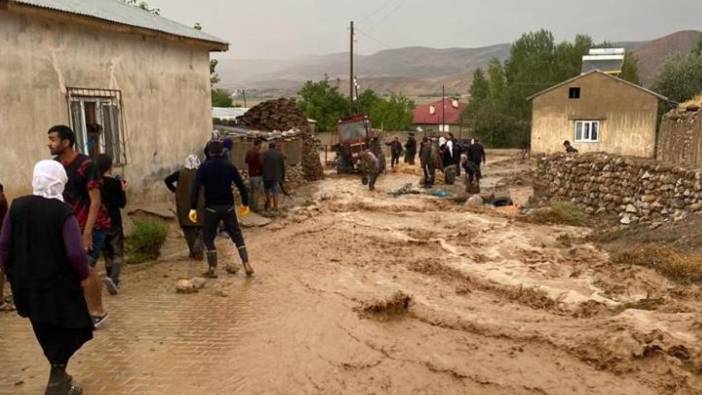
181,183
42,253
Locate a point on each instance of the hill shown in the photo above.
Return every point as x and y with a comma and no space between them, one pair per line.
413,71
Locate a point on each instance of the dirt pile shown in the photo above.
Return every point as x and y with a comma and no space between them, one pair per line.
395,305
282,114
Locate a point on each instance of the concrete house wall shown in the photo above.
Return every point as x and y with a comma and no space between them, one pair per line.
164,83
627,116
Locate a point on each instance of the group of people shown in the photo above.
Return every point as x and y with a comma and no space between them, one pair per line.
446,154
450,156
50,242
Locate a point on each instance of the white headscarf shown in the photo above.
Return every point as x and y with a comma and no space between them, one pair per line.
216,134
192,162
49,179
442,141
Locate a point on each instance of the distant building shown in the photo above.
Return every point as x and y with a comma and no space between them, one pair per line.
433,118
144,79
596,112
228,113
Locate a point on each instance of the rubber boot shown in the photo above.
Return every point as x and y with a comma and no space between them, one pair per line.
245,261
212,264
60,383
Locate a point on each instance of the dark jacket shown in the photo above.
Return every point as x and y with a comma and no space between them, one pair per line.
411,146
273,165
45,284
114,198
395,148
476,153
216,176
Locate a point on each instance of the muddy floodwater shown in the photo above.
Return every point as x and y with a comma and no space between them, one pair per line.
486,304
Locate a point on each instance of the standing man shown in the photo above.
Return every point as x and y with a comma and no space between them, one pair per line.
216,177
273,163
181,183
42,253
82,193
114,197
476,157
254,162
410,149
395,152
427,160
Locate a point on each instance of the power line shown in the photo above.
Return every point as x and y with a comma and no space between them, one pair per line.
386,45
389,13
376,11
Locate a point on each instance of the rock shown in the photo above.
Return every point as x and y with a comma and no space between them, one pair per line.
648,198
475,201
631,209
185,287
198,282
626,220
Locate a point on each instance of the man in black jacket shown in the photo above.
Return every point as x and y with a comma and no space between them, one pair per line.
216,176
410,149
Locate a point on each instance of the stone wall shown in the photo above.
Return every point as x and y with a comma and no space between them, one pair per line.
636,190
680,136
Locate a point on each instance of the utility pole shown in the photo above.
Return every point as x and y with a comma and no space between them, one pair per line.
443,107
351,79
244,94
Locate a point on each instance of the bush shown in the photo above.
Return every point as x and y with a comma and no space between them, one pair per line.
145,241
558,213
676,266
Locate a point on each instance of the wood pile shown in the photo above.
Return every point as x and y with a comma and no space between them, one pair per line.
283,115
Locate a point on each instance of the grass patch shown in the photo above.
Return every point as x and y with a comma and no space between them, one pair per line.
684,268
145,241
558,213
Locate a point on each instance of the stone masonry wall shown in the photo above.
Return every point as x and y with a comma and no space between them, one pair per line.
636,190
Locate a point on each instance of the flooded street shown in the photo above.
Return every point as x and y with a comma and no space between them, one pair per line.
498,306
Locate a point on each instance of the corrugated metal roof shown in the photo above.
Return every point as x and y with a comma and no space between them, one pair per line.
118,12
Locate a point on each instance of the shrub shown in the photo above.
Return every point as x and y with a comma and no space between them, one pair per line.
145,241
676,266
558,213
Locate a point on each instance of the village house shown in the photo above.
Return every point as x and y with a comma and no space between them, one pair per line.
596,112
432,118
130,83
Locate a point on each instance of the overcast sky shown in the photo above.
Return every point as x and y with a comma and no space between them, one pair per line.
279,29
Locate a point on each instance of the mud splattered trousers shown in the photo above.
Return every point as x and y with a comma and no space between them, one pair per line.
193,236
226,215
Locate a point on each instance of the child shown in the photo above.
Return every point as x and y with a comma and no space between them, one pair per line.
114,198
4,305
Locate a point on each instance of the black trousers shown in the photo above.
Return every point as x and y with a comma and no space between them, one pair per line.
394,160
224,214
60,343
428,174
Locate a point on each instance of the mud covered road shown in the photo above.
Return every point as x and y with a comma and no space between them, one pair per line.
498,306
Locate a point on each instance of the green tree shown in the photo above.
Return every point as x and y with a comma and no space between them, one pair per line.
394,113
366,101
630,69
680,78
221,98
480,89
323,103
698,49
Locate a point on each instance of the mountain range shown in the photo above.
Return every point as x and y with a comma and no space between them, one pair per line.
413,71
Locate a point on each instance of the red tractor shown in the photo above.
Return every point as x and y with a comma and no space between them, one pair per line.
354,134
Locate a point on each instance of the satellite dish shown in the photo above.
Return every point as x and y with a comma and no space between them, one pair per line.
432,110
454,103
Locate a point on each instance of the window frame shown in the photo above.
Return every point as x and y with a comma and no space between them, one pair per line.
109,100
586,127
574,93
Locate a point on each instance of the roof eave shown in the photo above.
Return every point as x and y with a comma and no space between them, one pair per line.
213,46
566,82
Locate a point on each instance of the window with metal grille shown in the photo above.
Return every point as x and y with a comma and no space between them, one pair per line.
96,118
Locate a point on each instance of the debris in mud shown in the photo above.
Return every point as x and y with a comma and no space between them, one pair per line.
407,189
198,282
475,201
185,287
395,305
590,309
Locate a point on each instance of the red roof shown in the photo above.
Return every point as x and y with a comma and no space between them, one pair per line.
423,114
